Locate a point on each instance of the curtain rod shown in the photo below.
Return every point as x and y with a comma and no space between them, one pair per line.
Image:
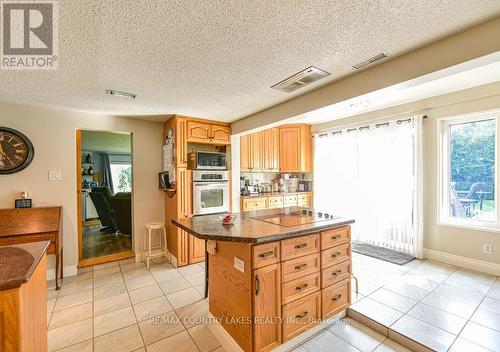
367,127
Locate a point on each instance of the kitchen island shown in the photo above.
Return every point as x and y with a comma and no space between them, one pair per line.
23,305
274,274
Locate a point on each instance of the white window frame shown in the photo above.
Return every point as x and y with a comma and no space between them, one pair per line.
443,167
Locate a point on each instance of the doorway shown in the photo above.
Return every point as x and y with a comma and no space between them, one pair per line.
105,191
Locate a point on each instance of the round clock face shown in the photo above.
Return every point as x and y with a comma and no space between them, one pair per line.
16,151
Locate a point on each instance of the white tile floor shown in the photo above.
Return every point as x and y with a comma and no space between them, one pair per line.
109,308
443,307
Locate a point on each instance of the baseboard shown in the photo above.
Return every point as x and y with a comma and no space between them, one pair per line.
173,259
69,270
230,344
464,262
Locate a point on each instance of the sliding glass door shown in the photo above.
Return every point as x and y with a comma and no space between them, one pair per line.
369,173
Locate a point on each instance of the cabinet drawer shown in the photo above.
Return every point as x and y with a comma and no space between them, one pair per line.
275,202
300,246
301,314
301,287
290,200
336,273
334,237
335,298
265,254
335,255
298,267
303,200
254,204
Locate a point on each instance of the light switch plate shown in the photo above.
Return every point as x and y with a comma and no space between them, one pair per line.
55,175
239,264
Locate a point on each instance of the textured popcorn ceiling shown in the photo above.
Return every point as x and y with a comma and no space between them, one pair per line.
218,59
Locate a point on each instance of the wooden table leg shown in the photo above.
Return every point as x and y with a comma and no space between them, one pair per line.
206,270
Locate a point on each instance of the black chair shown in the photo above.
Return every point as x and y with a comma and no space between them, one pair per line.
101,197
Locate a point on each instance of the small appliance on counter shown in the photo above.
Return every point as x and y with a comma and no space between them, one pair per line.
292,184
305,186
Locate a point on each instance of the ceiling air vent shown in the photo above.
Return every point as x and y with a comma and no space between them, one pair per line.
301,79
372,60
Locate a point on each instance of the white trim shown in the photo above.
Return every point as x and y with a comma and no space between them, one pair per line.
443,162
69,270
464,262
230,344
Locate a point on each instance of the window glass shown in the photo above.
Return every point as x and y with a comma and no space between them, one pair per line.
471,170
122,177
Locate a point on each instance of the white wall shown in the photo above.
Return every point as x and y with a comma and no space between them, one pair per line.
53,134
445,239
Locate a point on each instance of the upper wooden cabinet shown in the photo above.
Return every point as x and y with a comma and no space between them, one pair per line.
206,132
271,151
284,149
295,148
251,152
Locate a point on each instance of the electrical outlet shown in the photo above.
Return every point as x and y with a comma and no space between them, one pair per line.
55,175
488,249
239,264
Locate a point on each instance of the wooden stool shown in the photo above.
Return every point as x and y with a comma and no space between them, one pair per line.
147,241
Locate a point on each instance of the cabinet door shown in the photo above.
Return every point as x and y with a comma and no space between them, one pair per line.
289,149
271,150
196,250
220,134
245,157
267,307
183,192
198,132
180,142
256,151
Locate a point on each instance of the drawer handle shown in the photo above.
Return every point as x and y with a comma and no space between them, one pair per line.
300,246
335,255
336,298
266,254
336,237
302,316
335,273
257,285
301,266
303,287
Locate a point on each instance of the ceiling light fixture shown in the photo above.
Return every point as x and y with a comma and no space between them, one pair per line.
120,93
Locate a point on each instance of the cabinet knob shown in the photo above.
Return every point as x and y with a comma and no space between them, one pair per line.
336,237
300,246
336,298
335,255
302,316
335,273
303,287
301,266
266,254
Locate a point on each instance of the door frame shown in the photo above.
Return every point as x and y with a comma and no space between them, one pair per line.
84,262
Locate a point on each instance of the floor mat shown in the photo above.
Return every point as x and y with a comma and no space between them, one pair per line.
382,253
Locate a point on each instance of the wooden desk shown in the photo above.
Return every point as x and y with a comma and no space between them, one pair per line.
34,225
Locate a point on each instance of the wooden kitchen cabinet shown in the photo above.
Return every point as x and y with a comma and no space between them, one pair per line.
206,132
270,150
295,148
245,150
220,134
196,250
267,304
251,157
184,248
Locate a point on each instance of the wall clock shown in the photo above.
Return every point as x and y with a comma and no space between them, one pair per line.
16,151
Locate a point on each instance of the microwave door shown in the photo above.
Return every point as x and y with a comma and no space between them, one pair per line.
210,198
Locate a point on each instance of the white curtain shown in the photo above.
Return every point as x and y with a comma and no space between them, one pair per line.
374,176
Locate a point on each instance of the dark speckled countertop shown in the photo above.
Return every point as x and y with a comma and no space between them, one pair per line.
259,226
18,262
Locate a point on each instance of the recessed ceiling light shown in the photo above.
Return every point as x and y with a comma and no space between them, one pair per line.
120,93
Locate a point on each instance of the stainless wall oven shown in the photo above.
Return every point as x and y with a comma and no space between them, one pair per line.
210,192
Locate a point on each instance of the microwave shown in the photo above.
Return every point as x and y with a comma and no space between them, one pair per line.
206,160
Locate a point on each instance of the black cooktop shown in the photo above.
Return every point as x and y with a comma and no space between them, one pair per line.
291,218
